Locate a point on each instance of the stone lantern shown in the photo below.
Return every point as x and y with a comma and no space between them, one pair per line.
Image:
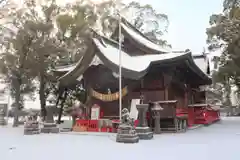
143,130
126,131
156,109
50,126
31,126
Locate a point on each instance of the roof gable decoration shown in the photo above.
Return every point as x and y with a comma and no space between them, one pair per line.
96,61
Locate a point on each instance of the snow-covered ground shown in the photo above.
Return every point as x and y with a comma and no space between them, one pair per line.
219,141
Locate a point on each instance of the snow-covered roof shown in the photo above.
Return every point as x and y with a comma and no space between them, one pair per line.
133,67
137,36
75,73
136,63
140,38
201,63
65,68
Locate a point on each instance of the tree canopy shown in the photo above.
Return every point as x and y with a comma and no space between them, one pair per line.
224,34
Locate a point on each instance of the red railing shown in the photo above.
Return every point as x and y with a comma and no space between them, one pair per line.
93,126
203,114
181,111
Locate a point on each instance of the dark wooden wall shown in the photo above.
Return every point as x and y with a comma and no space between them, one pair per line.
153,87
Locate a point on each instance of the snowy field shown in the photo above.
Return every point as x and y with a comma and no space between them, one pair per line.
216,142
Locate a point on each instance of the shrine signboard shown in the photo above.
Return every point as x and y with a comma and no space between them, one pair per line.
95,112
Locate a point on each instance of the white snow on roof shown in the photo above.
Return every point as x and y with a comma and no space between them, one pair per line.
201,63
71,68
136,63
143,40
65,68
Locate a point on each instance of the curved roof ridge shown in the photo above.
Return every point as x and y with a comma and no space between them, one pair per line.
139,37
64,68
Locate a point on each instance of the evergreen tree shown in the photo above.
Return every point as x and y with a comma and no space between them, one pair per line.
224,35
36,44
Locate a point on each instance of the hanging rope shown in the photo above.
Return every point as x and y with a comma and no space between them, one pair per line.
108,97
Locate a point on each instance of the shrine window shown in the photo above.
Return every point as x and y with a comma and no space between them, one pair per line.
199,97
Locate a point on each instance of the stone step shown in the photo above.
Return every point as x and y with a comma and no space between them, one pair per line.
65,129
26,132
50,130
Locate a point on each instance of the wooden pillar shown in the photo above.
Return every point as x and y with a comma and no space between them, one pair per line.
141,93
166,86
186,97
166,93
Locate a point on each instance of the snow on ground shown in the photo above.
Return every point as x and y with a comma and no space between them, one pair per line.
219,141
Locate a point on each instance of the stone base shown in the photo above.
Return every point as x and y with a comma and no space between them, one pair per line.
50,128
65,129
31,131
31,128
127,134
127,138
144,133
3,122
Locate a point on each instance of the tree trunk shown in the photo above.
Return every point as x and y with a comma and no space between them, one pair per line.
88,103
58,100
42,97
61,108
17,102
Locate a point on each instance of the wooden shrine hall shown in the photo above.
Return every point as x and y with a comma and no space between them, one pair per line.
150,74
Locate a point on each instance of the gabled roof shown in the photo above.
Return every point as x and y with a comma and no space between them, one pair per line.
133,67
71,74
202,62
139,39
144,43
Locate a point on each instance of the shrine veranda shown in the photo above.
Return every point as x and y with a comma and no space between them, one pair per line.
150,74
